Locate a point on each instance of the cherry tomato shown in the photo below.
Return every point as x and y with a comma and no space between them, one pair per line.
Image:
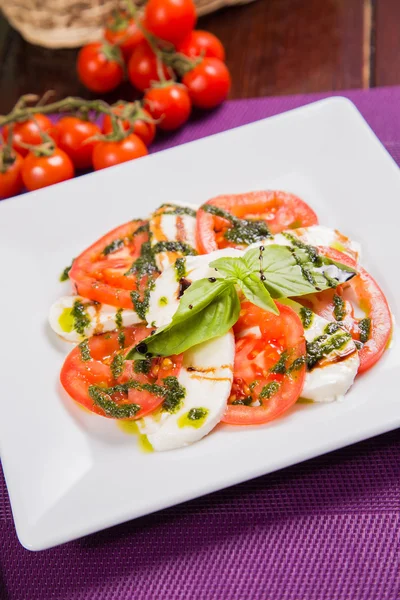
202,43
106,154
142,67
100,272
74,134
146,130
170,103
208,83
269,368
11,179
279,210
364,291
170,20
79,375
41,171
123,32
29,132
99,67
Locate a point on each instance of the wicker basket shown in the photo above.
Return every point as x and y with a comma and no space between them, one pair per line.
71,23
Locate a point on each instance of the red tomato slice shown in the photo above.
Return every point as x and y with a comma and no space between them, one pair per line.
279,210
371,300
99,273
270,368
77,374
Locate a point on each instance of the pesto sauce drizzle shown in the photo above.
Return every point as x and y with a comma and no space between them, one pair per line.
243,231
296,364
306,316
304,270
339,311
118,318
85,351
145,228
219,212
115,245
331,281
243,401
167,246
280,366
141,306
324,345
173,209
145,264
174,395
112,409
65,274
119,324
121,339
117,365
180,268
171,390
311,251
247,232
269,390
80,316
365,329
195,414
142,366
331,328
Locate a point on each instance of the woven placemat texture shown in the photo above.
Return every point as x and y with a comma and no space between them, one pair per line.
327,529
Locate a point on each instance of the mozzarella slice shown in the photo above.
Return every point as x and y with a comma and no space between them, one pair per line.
317,235
170,223
168,287
100,317
206,375
331,377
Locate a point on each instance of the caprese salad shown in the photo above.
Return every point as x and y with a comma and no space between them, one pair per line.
230,312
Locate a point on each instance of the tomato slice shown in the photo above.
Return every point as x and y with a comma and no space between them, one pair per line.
269,365
100,272
279,210
375,329
91,364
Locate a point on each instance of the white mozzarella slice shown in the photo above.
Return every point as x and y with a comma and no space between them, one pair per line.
317,235
164,299
332,381
167,227
206,375
102,317
333,376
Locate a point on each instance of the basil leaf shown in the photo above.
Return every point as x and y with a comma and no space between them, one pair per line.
255,291
194,300
289,271
283,276
197,297
252,258
213,321
232,267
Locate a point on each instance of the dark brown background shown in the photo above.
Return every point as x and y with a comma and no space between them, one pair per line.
273,47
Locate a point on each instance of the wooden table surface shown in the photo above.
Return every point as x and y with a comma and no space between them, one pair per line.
273,47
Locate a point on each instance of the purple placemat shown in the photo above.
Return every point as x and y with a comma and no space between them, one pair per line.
327,529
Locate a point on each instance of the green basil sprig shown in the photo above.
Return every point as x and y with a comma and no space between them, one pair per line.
210,307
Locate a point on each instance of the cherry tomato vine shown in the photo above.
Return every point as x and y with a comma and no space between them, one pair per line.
159,51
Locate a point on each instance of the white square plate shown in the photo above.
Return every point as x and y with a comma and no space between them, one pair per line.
70,473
